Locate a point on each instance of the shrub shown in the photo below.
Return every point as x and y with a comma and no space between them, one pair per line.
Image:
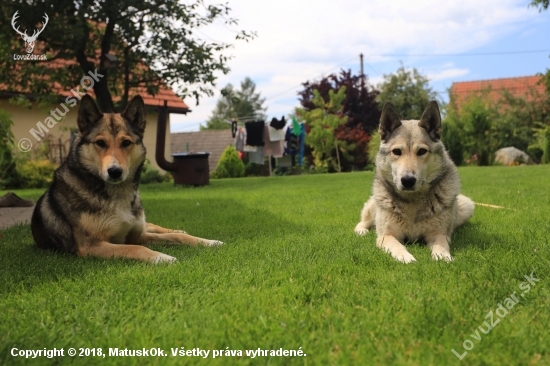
373,146
541,149
35,173
229,165
152,175
8,173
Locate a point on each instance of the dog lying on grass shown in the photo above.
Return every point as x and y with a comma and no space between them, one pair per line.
416,187
92,207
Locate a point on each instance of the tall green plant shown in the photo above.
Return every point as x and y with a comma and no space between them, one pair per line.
477,117
453,136
8,173
229,165
408,90
323,121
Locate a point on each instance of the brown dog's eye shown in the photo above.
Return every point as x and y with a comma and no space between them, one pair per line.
126,143
421,152
396,152
101,144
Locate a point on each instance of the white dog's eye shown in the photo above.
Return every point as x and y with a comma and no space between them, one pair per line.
421,152
396,152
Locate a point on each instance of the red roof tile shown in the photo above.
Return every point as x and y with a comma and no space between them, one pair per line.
525,87
157,100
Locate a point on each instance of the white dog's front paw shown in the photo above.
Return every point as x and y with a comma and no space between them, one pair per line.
361,230
446,256
163,258
404,257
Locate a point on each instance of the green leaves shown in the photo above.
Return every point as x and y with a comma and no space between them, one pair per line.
235,103
408,91
155,42
323,122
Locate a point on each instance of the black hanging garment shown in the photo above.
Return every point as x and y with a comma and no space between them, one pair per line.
255,133
233,128
278,124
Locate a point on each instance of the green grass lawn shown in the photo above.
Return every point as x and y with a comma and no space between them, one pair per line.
293,275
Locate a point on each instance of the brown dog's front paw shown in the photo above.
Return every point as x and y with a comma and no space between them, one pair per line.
163,258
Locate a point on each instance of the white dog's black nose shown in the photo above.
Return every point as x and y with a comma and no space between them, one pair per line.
408,182
114,173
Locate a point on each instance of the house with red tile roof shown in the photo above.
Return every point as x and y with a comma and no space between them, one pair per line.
26,118
528,87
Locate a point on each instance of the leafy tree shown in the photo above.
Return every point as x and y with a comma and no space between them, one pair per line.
243,102
323,121
452,138
155,43
541,4
408,91
484,124
477,118
359,106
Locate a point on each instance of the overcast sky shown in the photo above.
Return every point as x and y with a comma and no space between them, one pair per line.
301,40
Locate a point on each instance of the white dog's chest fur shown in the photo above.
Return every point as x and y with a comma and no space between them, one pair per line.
413,222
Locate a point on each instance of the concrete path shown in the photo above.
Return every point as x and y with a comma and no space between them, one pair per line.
10,216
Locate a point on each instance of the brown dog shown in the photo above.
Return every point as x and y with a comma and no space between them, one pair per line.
92,207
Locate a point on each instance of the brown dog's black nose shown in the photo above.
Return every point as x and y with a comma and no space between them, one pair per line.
114,173
408,182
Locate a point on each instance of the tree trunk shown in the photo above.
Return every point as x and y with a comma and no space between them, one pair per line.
103,96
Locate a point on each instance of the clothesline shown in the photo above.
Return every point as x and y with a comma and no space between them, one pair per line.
272,139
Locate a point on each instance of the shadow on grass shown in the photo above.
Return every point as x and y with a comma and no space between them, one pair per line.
24,266
473,235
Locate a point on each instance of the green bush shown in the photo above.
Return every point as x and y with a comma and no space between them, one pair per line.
152,175
452,138
35,173
541,149
374,145
8,173
229,165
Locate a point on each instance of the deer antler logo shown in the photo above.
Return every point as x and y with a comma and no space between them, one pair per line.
29,40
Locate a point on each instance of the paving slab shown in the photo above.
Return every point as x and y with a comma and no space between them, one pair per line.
10,216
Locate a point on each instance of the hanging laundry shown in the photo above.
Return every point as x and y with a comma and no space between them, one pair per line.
248,148
241,138
256,157
275,133
284,162
278,124
254,133
302,144
272,148
233,127
296,129
292,141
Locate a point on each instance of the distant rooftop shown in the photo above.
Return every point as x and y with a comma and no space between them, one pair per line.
525,87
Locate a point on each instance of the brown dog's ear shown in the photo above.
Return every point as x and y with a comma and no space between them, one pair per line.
88,114
389,121
135,114
431,121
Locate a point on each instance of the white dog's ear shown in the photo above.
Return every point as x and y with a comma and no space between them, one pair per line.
389,121
135,114
431,121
